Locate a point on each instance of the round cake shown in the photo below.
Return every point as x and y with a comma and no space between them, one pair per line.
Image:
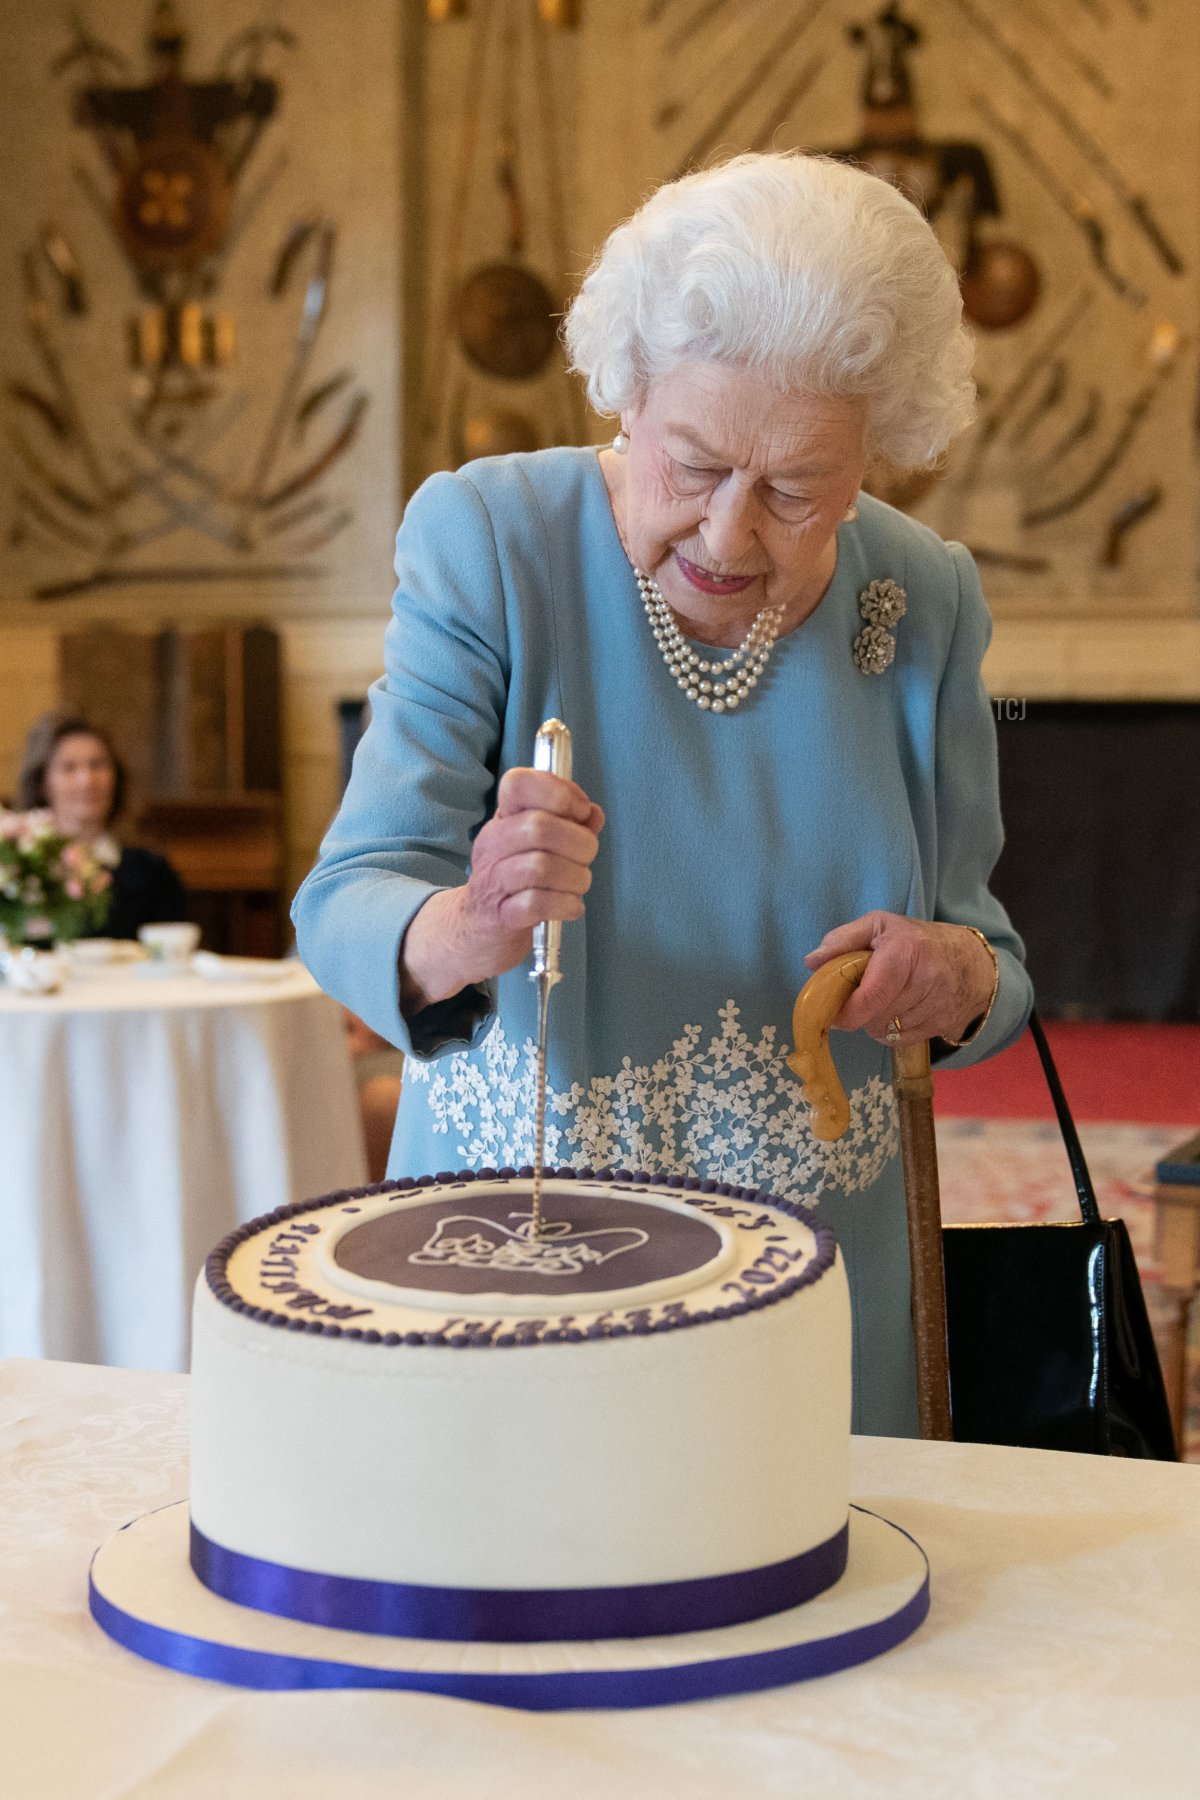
412,1412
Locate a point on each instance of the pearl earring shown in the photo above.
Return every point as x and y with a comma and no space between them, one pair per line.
620,444
851,513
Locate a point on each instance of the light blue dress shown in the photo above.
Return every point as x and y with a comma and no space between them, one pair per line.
732,844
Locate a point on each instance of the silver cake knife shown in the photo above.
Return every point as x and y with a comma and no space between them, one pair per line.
552,752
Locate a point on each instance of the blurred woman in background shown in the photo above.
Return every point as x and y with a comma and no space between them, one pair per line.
69,765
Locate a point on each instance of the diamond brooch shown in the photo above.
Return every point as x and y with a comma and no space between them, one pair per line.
883,604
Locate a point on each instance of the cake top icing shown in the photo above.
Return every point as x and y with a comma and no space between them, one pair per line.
453,1259
476,1244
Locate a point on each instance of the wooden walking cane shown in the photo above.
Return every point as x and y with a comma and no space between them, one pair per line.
818,1004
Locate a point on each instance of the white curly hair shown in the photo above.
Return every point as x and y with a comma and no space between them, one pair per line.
811,274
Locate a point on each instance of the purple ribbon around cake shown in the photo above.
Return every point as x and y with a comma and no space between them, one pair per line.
518,1615
707,1677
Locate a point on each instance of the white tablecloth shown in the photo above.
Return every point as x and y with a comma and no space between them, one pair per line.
140,1120
1061,1655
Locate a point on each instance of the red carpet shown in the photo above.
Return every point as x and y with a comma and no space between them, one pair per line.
1134,1074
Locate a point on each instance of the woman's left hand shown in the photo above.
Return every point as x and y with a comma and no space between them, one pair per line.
935,979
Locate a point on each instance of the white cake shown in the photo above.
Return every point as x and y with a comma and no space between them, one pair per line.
404,1386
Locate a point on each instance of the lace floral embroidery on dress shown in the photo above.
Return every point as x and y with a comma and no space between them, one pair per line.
731,1112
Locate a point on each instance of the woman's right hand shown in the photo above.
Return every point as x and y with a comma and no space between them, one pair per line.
530,862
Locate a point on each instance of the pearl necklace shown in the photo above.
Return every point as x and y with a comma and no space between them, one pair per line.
738,673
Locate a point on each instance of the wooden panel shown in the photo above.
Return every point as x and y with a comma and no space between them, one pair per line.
193,711
29,686
197,708
226,865
228,850
112,677
225,841
259,761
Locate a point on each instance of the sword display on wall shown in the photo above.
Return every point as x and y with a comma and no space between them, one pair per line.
1131,513
780,46
1080,428
699,80
1067,48
1052,392
1080,211
173,154
1136,205
789,101
1165,346
693,25
996,416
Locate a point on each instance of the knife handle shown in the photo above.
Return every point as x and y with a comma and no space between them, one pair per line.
551,753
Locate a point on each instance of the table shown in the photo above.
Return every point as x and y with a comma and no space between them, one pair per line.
140,1120
1061,1655
1177,1246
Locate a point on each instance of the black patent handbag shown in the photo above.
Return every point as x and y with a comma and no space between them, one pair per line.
1048,1338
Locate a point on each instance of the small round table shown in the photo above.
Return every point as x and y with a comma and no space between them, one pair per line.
142,1117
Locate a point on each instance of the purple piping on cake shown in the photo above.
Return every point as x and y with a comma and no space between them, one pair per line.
223,1290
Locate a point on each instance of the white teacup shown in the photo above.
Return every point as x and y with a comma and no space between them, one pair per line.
170,943
32,971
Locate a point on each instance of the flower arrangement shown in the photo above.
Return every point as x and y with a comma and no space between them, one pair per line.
51,885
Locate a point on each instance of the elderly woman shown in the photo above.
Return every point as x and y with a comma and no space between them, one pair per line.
782,745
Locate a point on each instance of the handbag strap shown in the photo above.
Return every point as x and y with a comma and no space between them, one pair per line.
1066,1124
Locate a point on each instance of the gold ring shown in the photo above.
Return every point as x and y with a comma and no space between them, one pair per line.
894,1030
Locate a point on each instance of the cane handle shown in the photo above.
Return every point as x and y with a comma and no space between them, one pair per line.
818,1004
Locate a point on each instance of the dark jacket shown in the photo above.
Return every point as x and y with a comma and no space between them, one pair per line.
145,891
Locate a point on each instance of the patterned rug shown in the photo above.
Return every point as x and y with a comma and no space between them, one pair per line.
1017,1169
